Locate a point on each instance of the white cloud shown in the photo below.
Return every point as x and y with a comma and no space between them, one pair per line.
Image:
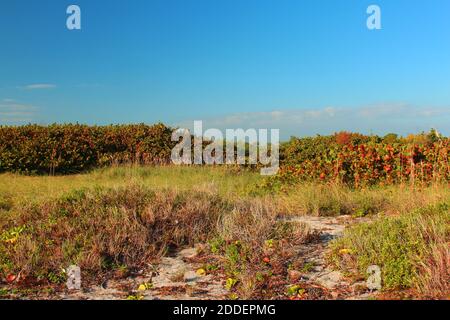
380,119
39,86
16,113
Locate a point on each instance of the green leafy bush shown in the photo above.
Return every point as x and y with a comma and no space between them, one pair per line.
73,148
403,247
362,162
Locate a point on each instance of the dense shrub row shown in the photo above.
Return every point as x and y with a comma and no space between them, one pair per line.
74,148
362,160
350,158
372,163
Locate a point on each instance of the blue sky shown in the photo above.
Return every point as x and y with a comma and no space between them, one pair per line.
304,67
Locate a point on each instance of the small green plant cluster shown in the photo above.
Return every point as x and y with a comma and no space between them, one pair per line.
295,290
255,251
236,254
411,250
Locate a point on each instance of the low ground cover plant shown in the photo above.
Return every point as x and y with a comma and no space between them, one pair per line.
411,249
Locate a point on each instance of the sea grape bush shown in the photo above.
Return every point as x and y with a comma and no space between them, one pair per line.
349,158
298,150
74,148
361,161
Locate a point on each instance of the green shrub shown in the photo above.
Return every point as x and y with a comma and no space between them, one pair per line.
362,164
399,245
74,148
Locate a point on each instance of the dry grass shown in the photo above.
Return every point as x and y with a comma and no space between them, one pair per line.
332,199
434,265
105,229
249,221
110,229
227,181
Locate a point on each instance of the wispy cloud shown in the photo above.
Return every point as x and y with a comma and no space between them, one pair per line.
39,86
380,119
12,112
